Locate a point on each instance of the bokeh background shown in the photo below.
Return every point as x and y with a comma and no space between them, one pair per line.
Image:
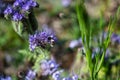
60,15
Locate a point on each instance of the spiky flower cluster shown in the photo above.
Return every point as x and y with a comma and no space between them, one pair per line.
41,39
51,68
19,9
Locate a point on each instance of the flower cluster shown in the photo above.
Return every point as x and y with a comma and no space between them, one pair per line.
42,39
51,68
48,67
30,75
19,9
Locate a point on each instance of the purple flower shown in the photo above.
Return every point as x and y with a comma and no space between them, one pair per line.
75,77
8,10
25,7
32,3
41,39
66,3
44,67
17,17
96,51
32,42
57,75
48,67
20,7
17,3
29,4
30,75
76,43
115,39
68,78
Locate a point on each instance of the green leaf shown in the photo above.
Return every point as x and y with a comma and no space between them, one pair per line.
18,27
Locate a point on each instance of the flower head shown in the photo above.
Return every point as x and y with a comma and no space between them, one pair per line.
30,75
8,10
20,8
17,17
57,75
32,3
17,3
41,39
115,39
75,77
48,67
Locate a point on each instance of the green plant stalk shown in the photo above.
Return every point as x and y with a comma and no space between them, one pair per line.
106,43
85,37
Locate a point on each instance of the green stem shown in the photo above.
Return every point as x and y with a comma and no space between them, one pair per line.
85,35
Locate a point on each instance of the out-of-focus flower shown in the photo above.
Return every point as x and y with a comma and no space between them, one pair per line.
8,10
17,3
115,39
5,78
68,78
48,67
30,75
19,9
66,3
76,43
75,77
96,51
32,3
25,7
57,75
41,39
17,17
